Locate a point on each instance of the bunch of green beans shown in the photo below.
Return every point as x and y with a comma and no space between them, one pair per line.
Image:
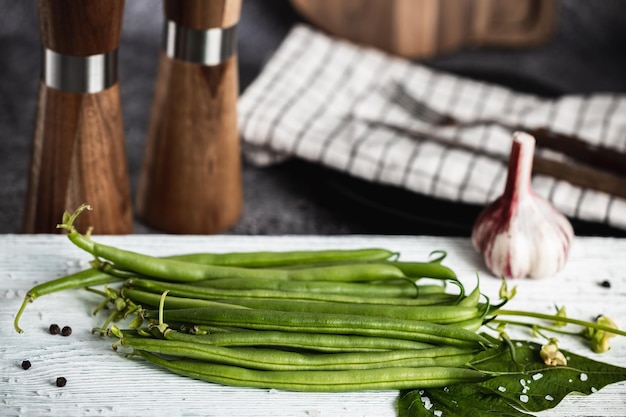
331,320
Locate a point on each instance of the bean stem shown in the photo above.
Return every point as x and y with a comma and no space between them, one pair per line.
501,312
535,326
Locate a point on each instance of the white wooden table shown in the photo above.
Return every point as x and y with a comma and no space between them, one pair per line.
103,383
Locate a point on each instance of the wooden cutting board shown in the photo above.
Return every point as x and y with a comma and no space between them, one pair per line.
423,28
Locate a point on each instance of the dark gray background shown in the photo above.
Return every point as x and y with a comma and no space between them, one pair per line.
587,54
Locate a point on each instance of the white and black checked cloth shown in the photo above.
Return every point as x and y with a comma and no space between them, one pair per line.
317,96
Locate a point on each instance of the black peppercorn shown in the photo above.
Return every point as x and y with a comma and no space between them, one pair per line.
61,381
25,364
67,330
55,329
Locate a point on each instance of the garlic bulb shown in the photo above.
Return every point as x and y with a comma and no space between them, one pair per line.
520,234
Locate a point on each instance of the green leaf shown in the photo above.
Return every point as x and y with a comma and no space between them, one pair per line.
521,384
533,386
461,400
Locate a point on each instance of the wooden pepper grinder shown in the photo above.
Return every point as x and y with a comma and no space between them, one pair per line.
191,175
78,153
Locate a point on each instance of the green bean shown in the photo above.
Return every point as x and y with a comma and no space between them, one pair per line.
424,270
80,279
93,277
472,324
402,288
280,360
430,269
472,299
329,343
326,323
319,381
434,314
207,293
266,259
180,271
173,270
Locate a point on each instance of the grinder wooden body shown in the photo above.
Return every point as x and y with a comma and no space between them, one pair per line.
191,176
78,153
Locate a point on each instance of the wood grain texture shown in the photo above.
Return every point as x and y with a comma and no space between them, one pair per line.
423,28
363,21
409,15
203,14
455,24
191,176
103,382
78,157
80,27
521,23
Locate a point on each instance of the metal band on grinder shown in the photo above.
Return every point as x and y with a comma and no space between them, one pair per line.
79,74
205,47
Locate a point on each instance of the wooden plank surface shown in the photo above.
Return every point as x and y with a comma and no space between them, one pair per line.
102,382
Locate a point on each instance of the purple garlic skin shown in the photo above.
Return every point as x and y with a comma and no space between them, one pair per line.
521,234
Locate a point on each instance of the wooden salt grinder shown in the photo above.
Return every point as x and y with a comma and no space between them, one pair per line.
191,175
78,153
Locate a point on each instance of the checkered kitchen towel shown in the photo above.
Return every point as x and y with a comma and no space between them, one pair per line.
324,100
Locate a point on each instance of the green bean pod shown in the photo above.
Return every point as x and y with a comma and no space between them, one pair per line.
326,323
179,271
472,324
93,277
265,259
189,290
424,270
319,381
329,343
175,270
403,288
281,360
433,313
80,279
472,299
